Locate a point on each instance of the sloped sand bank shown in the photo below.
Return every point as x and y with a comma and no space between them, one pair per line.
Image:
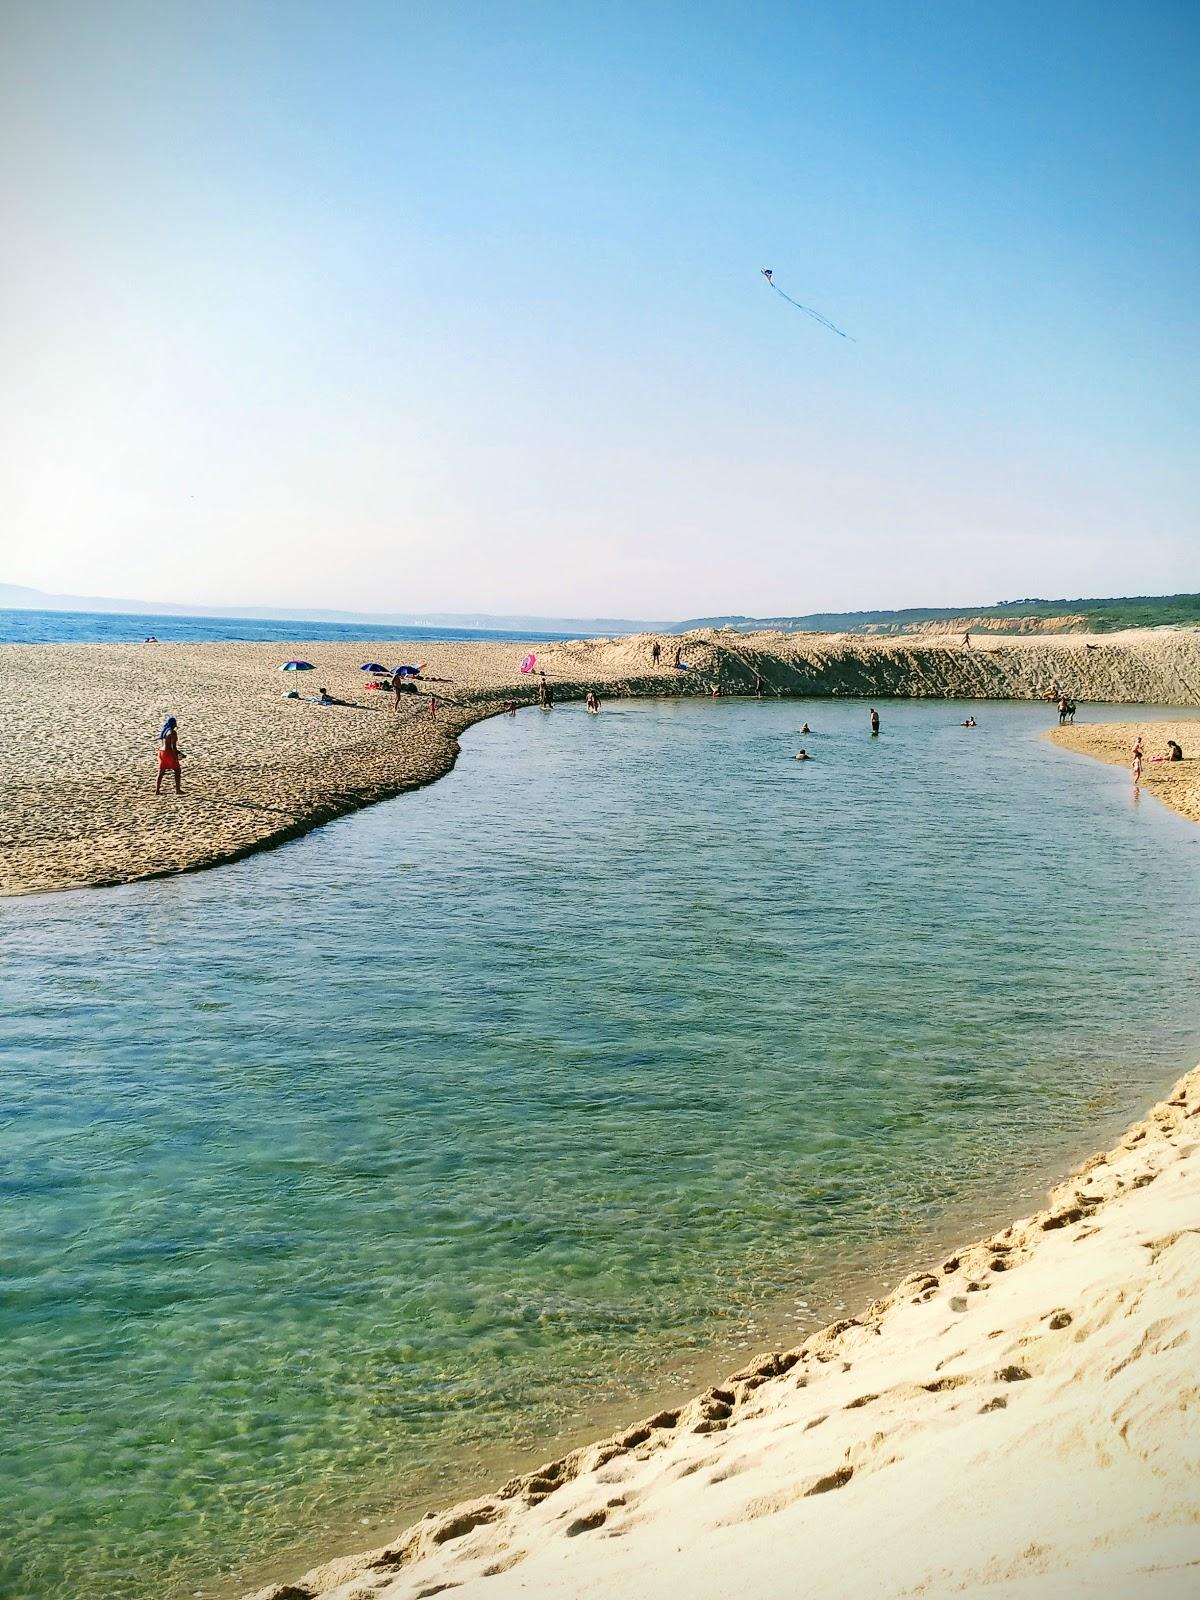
1021,1419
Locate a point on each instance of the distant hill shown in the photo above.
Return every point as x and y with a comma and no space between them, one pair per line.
1050,616
1097,616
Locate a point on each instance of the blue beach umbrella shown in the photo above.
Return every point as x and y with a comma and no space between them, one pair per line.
296,666
371,666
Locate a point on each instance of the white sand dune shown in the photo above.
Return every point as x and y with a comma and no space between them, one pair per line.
1021,1420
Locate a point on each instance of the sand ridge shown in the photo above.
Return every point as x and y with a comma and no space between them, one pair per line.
1020,1419
78,723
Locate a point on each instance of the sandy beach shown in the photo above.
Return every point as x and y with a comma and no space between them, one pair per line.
1175,783
1018,1419
79,724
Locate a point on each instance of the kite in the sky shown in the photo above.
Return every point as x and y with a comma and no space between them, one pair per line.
808,311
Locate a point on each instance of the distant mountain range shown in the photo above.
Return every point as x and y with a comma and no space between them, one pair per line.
1136,611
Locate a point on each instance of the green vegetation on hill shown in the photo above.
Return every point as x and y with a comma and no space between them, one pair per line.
1099,616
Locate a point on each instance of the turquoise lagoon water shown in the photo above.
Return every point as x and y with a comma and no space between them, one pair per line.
338,1180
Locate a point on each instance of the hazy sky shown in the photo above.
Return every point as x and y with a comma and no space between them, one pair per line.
391,306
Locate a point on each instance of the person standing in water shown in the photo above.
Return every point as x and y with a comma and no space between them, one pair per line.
168,755
874,721
593,701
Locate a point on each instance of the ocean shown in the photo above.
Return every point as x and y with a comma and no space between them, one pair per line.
102,627
349,1178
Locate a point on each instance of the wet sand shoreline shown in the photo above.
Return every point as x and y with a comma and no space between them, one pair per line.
959,1414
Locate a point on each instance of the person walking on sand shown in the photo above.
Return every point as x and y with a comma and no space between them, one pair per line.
1136,768
678,654
966,639
168,755
874,721
655,653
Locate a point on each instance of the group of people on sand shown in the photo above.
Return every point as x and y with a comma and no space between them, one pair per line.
1173,752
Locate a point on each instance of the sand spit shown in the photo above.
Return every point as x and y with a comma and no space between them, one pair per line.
1020,1420
78,724
1175,783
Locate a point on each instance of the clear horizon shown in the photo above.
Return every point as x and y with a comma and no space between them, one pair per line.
462,312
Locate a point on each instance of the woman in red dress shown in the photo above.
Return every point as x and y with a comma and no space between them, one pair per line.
168,755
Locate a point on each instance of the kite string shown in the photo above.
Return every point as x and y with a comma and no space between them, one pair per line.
815,315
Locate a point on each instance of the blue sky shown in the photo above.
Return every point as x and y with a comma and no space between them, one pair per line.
459,307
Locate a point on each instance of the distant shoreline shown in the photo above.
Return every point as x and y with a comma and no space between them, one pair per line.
79,721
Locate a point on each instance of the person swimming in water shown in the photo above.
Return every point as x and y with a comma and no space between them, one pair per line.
806,728
168,755
802,755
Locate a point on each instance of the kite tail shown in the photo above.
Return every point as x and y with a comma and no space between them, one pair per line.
815,315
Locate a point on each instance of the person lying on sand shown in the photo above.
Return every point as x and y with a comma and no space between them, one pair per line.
169,755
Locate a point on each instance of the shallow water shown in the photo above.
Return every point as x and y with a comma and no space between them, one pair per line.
333,1178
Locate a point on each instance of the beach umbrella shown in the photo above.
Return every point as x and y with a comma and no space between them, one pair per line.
529,662
407,672
296,666
371,666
